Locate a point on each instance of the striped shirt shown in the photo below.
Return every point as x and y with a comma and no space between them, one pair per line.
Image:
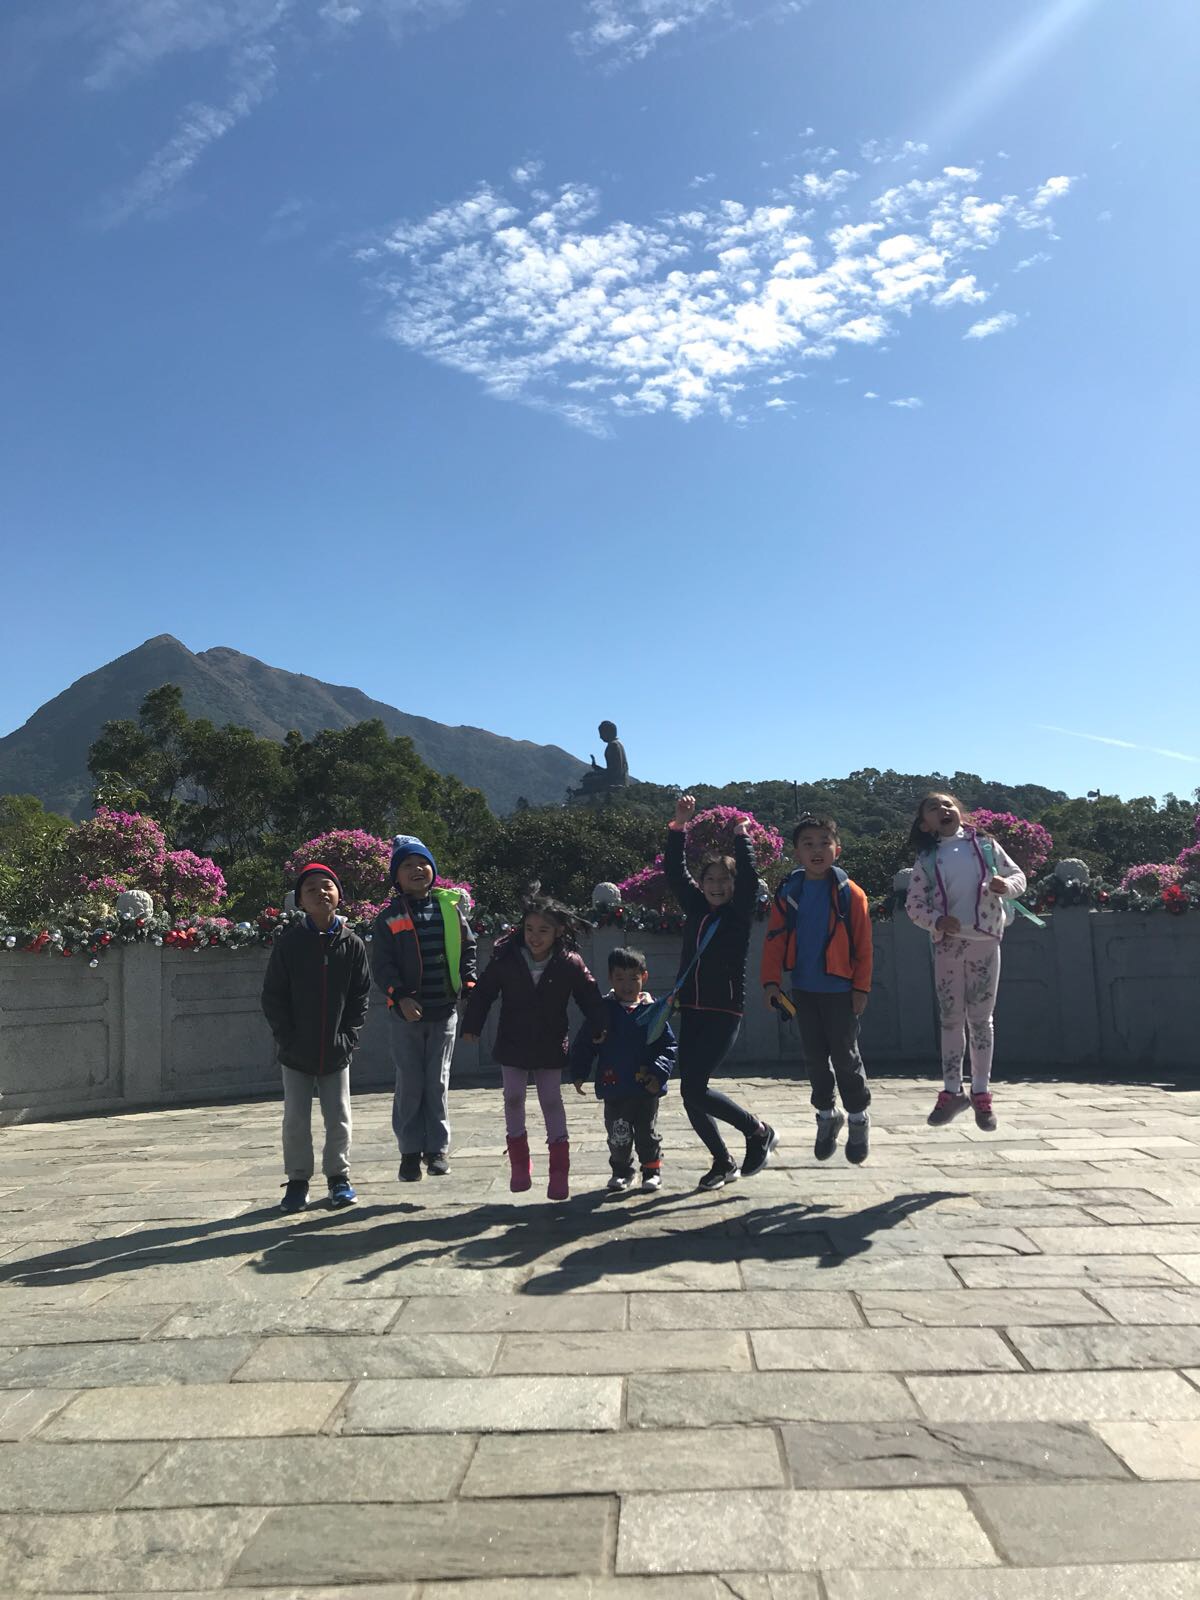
431,934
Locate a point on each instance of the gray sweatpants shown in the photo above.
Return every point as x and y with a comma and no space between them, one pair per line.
334,1090
421,1052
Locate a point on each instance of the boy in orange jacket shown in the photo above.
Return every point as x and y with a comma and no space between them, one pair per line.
819,945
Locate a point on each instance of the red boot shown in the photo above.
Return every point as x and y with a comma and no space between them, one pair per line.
518,1155
559,1187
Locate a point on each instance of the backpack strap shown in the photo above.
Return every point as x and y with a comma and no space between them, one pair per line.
989,855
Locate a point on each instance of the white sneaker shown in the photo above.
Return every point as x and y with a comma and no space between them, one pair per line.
618,1185
651,1181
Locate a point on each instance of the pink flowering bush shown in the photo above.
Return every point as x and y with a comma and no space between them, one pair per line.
1188,862
192,884
112,851
708,832
1151,878
1026,842
360,861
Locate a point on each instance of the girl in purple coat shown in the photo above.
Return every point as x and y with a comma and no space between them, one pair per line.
535,971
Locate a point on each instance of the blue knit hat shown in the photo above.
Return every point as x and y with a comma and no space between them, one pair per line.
407,844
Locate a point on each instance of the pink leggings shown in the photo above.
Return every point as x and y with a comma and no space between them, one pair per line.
549,1090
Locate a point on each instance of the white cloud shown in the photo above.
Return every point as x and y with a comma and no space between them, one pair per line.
702,179
540,299
1120,744
1035,260
628,30
200,126
526,172
812,186
778,405
963,291
870,394
990,325
877,151
909,404
1053,189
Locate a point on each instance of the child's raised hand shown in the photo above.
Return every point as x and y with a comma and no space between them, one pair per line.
999,886
685,810
741,828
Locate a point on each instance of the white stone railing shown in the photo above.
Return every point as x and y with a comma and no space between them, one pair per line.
1103,991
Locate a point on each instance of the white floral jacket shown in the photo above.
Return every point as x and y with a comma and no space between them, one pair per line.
926,899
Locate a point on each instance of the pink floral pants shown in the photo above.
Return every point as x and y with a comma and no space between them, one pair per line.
966,975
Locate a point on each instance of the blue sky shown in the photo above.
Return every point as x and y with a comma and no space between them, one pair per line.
803,386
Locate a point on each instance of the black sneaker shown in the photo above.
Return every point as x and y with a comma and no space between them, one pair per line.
758,1150
410,1169
858,1140
295,1196
828,1129
718,1175
437,1165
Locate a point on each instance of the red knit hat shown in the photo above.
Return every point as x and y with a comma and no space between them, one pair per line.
318,866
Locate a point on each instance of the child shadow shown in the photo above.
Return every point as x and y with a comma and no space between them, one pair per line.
193,1244
767,1233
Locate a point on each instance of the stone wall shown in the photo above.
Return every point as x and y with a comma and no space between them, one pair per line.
1113,992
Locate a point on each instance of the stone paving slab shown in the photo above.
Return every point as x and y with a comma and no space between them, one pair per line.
1094,1523
915,1454
1058,1397
312,1357
1128,1581
884,1350
105,1364
484,1405
956,1362
460,1538
198,1411
103,1553
614,1463
298,1471
819,1529
71,1477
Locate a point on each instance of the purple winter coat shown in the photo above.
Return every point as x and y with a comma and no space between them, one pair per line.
533,1016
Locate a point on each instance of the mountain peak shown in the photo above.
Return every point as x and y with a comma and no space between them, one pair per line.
48,756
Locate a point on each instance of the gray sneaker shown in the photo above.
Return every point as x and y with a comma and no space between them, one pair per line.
828,1129
858,1139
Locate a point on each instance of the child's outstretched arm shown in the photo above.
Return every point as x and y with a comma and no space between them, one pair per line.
745,884
1009,881
683,886
581,1056
479,1002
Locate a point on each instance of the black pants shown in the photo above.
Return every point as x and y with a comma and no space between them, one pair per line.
631,1122
829,1034
705,1039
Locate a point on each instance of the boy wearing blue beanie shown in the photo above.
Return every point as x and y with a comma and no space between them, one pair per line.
423,958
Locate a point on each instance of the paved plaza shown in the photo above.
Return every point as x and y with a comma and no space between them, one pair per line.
969,1369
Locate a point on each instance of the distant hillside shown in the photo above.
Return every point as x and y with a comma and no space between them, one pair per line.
48,756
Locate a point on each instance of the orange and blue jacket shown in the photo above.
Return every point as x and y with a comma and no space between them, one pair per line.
849,950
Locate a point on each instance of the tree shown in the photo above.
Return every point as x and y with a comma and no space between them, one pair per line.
1111,834
30,839
148,759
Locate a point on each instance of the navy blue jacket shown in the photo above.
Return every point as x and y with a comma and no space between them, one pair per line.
624,1053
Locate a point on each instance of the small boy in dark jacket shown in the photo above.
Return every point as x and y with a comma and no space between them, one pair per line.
631,1076
423,957
315,997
